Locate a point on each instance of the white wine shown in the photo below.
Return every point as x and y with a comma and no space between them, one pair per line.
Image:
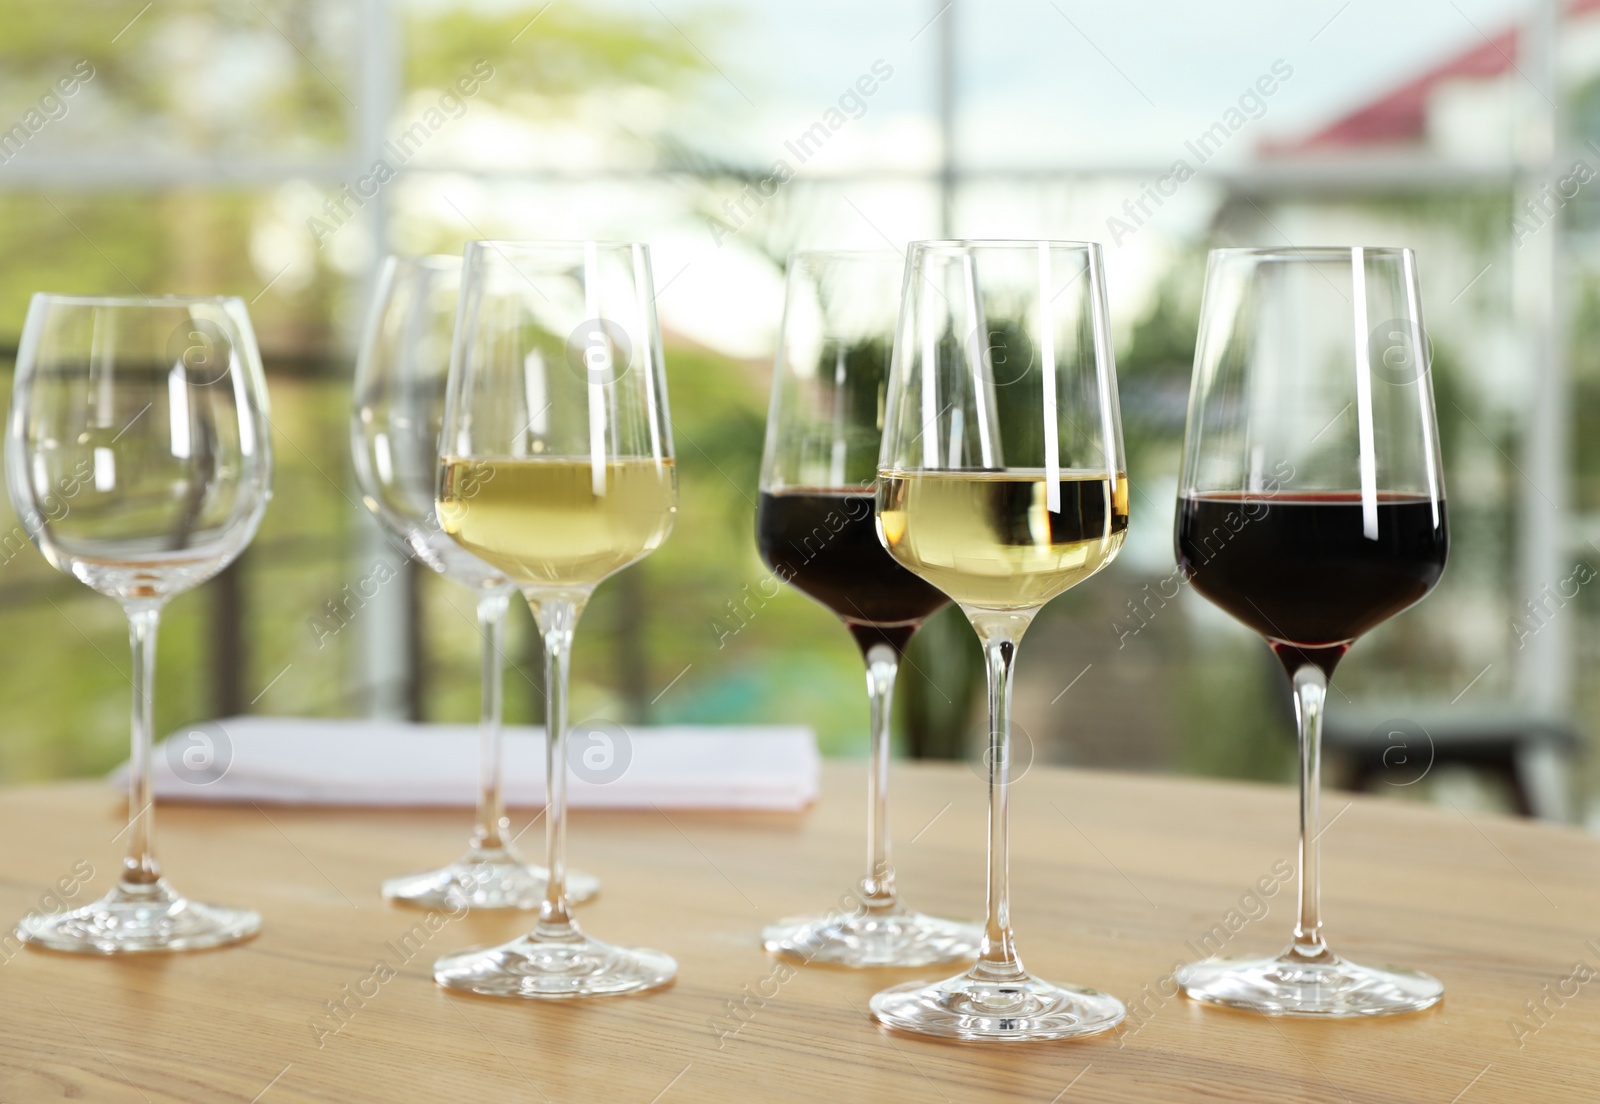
989,540
558,521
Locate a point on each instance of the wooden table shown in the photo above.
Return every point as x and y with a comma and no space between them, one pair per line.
1500,910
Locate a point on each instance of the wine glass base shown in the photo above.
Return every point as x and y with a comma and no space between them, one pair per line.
554,968
1024,1008
1293,985
140,919
892,937
487,878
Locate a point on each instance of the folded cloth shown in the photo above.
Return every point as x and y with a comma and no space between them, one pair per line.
287,760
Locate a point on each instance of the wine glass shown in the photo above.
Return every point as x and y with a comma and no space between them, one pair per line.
815,530
394,436
556,467
138,459
1311,508
1001,482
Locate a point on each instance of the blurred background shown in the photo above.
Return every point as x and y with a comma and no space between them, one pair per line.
277,149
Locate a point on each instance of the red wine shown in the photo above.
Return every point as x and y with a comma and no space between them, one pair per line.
1299,570
824,543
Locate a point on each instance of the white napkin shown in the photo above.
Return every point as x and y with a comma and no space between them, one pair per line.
285,760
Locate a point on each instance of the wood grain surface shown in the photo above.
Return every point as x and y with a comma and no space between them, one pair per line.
1117,879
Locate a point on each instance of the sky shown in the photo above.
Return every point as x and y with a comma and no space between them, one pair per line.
1052,83
1041,86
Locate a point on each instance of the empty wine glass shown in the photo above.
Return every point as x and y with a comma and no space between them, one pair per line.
1001,482
556,467
815,529
138,459
394,434
1311,508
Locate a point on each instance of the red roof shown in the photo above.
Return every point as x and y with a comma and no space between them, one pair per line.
1400,117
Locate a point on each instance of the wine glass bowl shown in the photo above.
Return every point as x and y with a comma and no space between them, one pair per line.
139,514
401,375
1001,482
815,530
1311,508
138,459
555,467
399,403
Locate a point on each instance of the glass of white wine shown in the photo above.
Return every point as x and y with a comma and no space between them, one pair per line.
138,460
556,467
1001,482
394,437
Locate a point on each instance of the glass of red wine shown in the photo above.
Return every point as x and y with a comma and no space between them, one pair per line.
815,530
1311,508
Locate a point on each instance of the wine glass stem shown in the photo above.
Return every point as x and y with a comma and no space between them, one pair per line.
492,824
557,618
878,886
997,957
1310,692
140,868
